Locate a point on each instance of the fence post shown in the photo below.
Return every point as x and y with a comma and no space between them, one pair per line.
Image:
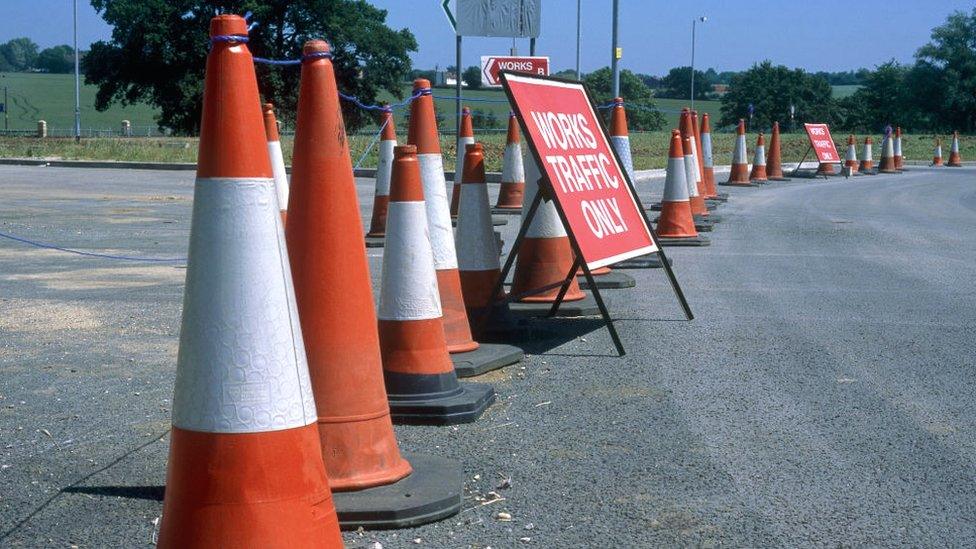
126,128
41,128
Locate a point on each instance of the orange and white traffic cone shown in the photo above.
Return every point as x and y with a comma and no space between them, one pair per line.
758,173
277,159
381,194
423,134
676,226
696,183
866,166
955,161
937,153
708,185
465,138
420,379
708,161
774,160
245,466
620,137
899,159
512,188
739,176
850,162
887,163
370,478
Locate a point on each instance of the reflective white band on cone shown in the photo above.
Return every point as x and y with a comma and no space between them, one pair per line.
866,152
462,145
851,153
739,156
707,150
438,211
241,365
408,286
477,246
385,167
675,183
897,146
512,168
955,145
690,169
280,174
546,223
621,144
759,158
699,176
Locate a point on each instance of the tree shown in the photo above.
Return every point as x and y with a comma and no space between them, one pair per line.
948,65
157,53
677,84
642,114
57,59
472,77
771,90
19,54
880,101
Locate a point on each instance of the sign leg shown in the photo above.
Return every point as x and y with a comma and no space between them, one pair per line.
603,310
565,287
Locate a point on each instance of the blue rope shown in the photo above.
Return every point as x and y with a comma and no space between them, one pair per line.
92,254
471,99
305,57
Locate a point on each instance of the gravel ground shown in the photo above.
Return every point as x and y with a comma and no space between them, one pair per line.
821,398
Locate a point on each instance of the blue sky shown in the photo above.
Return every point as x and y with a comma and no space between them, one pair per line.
655,34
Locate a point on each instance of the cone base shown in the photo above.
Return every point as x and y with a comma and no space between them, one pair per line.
684,241
487,357
649,261
609,281
430,493
711,218
375,241
502,327
777,178
720,197
498,210
496,220
738,184
567,309
435,399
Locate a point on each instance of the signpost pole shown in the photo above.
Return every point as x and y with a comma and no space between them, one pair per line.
577,39
614,64
6,108
457,90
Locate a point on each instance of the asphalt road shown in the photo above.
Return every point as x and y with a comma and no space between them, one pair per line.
823,396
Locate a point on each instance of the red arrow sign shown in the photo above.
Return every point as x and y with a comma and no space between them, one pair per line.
492,64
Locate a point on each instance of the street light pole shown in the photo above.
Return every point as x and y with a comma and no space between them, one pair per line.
77,79
615,56
693,23
578,39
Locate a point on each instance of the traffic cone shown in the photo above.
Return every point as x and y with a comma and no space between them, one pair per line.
374,485
887,163
465,138
758,173
825,169
710,192
739,176
620,137
774,162
676,226
512,189
867,160
381,196
955,161
423,134
245,466
899,159
708,161
696,184
937,154
850,163
420,379
277,159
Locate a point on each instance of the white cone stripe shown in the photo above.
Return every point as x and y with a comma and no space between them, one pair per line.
462,144
546,223
699,177
384,169
897,146
889,150
408,284
867,152
477,246
851,152
955,145
621,144
241,365
280,174
707,150
760,156
512,169
938,150
739,155
675,184
438,210
690,169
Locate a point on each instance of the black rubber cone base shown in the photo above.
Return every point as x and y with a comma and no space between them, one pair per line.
720,197
710,206
727,184
506,211
568,309
430,493
704,226
714,218
487,357
655,207
650,261
610,281
375,241
435,399
496,221
780,179
687,241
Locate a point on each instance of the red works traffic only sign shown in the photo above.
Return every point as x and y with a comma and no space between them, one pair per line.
491,65
588,184
822,143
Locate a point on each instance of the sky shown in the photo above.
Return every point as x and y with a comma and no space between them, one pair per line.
830,35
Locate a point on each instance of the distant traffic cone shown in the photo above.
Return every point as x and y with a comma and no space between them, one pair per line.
851,160
899,159
277,159
758,173
335,306
245,467
937,154
420,378
620,137
710,192
955,161
423,133
774,161
867,160
887,163
708,161
381,194
696,184
512,189
676,226
465,138
739,176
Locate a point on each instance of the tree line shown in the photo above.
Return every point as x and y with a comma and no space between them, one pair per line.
23,55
